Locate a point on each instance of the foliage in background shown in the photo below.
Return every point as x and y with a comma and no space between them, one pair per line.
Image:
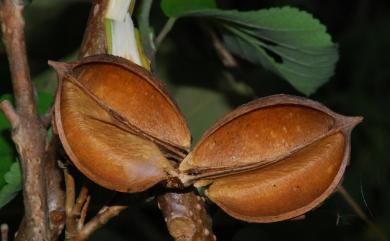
12,184
6,148
287,41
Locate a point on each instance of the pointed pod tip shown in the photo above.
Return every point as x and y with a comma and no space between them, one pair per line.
350,122
355,120
60,67
359,118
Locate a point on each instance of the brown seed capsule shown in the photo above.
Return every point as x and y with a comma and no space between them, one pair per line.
117,124
269,160
272,159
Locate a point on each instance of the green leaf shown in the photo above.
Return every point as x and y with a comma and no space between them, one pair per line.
5,139
4,124
45,101
6,160
7,155
6,151
5,145
287,41
173,8
13,184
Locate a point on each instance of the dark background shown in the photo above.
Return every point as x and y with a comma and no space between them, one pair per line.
197,80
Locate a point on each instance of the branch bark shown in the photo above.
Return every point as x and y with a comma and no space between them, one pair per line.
28,133
73,207
10,113
55,195
55,192
224,55
186,217
94,41
104,215
4,232
76,212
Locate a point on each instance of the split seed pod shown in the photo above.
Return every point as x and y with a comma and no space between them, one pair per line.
272,159
117,124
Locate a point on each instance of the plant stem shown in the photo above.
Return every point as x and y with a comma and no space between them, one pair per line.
55,193
105,214
186,217
224,55
4,232
29,135
164,31
145,30
13,37
356,208
94,40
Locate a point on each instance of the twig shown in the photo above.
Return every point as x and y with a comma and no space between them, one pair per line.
94,40
356,208
55,193
10,113
76,209
4,232
70,192
228,60
224,55
164,31
185,216
81,201
28,134
104,215
76,212
46,118
13,37
21,234
71,220
83,213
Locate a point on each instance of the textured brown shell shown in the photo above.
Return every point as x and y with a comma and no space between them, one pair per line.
272,159
126,157
135,94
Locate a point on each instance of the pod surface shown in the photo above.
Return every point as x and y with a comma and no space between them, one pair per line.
259,136
132,92
272,159
98,115
286,189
